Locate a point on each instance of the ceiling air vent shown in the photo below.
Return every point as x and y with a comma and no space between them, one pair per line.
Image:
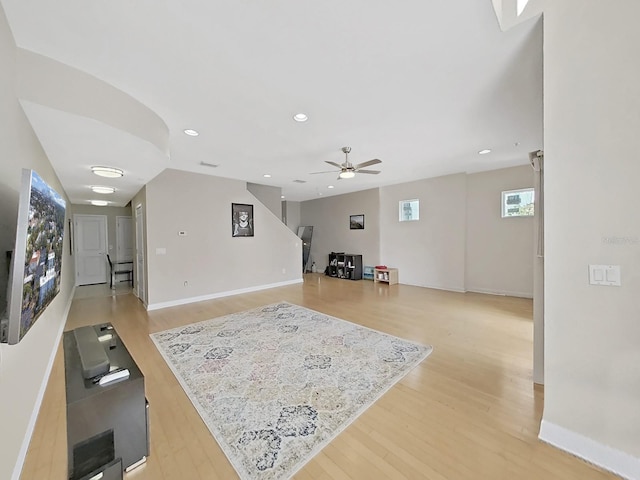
205,164
299,181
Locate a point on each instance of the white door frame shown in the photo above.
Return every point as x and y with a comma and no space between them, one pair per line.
140,277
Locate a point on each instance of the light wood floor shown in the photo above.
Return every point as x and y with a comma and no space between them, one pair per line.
469,411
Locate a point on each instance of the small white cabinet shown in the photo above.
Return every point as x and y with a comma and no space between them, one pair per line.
385,275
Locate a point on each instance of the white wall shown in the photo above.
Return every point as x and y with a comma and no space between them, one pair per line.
460,243
291,211
329,218
208,258
592,170
499,249
269,196
25,367
429,252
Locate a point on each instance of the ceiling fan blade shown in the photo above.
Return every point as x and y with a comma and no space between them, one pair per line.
333,163
328,171
375,172
369,163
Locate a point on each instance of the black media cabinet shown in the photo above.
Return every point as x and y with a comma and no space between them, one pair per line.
345,265
107,425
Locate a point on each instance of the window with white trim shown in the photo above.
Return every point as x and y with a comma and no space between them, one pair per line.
518,203
409,210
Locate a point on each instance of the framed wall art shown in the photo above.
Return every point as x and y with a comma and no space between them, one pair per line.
356,222
241,220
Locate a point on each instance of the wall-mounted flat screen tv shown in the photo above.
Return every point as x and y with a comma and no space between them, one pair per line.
37,258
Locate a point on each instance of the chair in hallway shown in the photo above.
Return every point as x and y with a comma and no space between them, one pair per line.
120,268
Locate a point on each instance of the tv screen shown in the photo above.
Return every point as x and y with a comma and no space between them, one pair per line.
37,259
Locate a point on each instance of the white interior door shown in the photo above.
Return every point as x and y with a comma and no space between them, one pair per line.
90,249
124,239
140,278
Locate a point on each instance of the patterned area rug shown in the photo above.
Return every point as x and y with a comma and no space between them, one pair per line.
277,383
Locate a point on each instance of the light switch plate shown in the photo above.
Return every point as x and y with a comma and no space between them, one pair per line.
605,275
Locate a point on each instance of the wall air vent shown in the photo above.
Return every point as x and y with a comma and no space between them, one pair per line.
299,181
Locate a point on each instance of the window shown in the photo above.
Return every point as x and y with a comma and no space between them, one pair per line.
518,203
409,210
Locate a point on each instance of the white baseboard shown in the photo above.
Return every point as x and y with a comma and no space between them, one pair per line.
201,298
446,289
435,287
22,454
615,461
504,293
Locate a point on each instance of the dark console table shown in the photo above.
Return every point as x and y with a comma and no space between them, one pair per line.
107,425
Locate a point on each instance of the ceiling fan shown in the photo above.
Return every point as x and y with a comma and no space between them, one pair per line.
347,169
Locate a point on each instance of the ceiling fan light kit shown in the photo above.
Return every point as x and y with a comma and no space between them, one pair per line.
347,169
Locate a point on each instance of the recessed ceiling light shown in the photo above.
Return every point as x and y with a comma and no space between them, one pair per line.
281,196
330,186
266,175
347,174
191,132
485,151
101,189
108,172
99,203
300,117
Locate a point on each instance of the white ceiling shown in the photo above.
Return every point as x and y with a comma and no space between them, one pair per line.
422,85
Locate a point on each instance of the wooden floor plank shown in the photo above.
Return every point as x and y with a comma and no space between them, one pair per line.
468,412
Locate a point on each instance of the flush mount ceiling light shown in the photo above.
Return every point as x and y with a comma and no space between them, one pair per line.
347,174
191,132
108,172
281,196
103,190
300,117
266,175
99,203
485,151
330,186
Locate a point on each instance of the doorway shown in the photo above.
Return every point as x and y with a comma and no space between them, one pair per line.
124,239
90,238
